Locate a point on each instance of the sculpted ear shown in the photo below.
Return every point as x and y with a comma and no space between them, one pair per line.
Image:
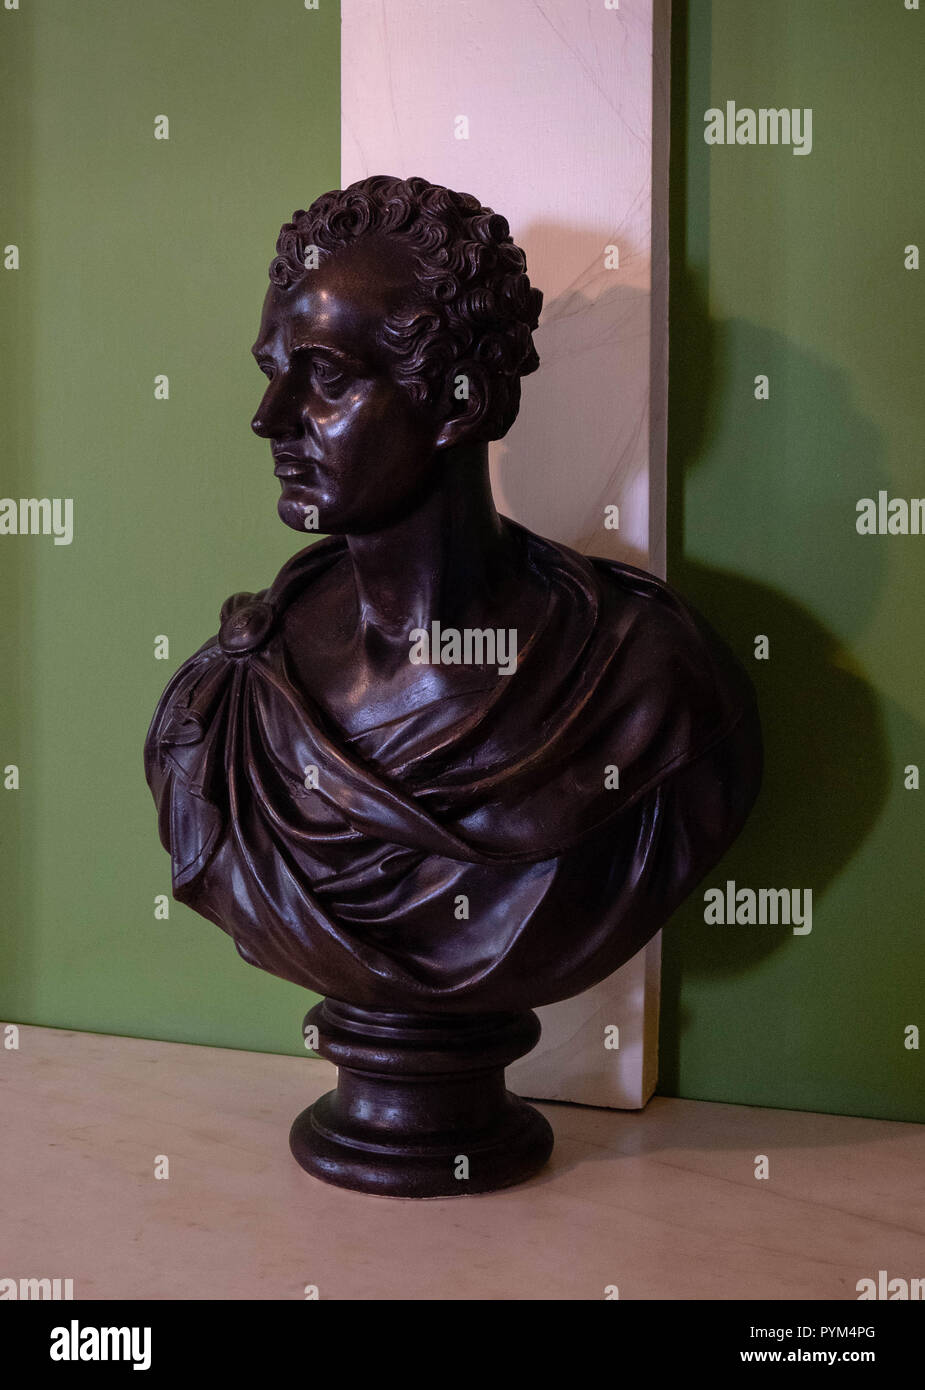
466,403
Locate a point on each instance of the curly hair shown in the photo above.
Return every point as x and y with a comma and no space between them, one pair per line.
472,297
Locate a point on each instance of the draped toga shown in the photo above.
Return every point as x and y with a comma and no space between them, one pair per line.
516,843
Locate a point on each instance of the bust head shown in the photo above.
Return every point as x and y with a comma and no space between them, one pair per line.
397,325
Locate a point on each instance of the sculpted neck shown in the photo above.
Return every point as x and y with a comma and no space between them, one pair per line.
442,562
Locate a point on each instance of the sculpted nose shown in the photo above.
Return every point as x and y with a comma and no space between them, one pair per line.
258,425
283,413
269,420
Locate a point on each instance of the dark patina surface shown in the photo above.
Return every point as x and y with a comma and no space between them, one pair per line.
436,848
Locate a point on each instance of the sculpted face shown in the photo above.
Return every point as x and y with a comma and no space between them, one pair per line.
345,436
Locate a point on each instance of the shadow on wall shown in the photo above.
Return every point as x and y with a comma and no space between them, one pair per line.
827,770
580,441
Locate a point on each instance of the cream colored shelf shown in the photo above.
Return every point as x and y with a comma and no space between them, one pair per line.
662,1203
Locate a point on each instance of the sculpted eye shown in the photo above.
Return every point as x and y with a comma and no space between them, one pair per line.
329,377
327,371
266,367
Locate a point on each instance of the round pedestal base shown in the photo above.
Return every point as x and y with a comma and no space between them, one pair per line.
421,1108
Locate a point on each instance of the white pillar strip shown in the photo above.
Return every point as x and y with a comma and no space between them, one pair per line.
544,110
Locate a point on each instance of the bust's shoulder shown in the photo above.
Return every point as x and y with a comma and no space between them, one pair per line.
303,567
652,609
659,650
247,620
641,604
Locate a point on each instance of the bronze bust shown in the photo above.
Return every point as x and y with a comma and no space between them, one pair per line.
442,770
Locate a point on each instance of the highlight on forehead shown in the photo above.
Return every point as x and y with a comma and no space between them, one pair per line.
347,304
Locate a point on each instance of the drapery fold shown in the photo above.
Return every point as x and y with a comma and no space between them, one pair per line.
499,800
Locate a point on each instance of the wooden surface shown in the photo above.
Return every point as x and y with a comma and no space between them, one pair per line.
662,1203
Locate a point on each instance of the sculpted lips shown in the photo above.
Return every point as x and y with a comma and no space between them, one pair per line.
289,464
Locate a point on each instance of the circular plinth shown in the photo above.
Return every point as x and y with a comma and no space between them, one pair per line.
421,1109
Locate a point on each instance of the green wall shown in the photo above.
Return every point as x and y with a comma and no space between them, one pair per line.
138,257
793,267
